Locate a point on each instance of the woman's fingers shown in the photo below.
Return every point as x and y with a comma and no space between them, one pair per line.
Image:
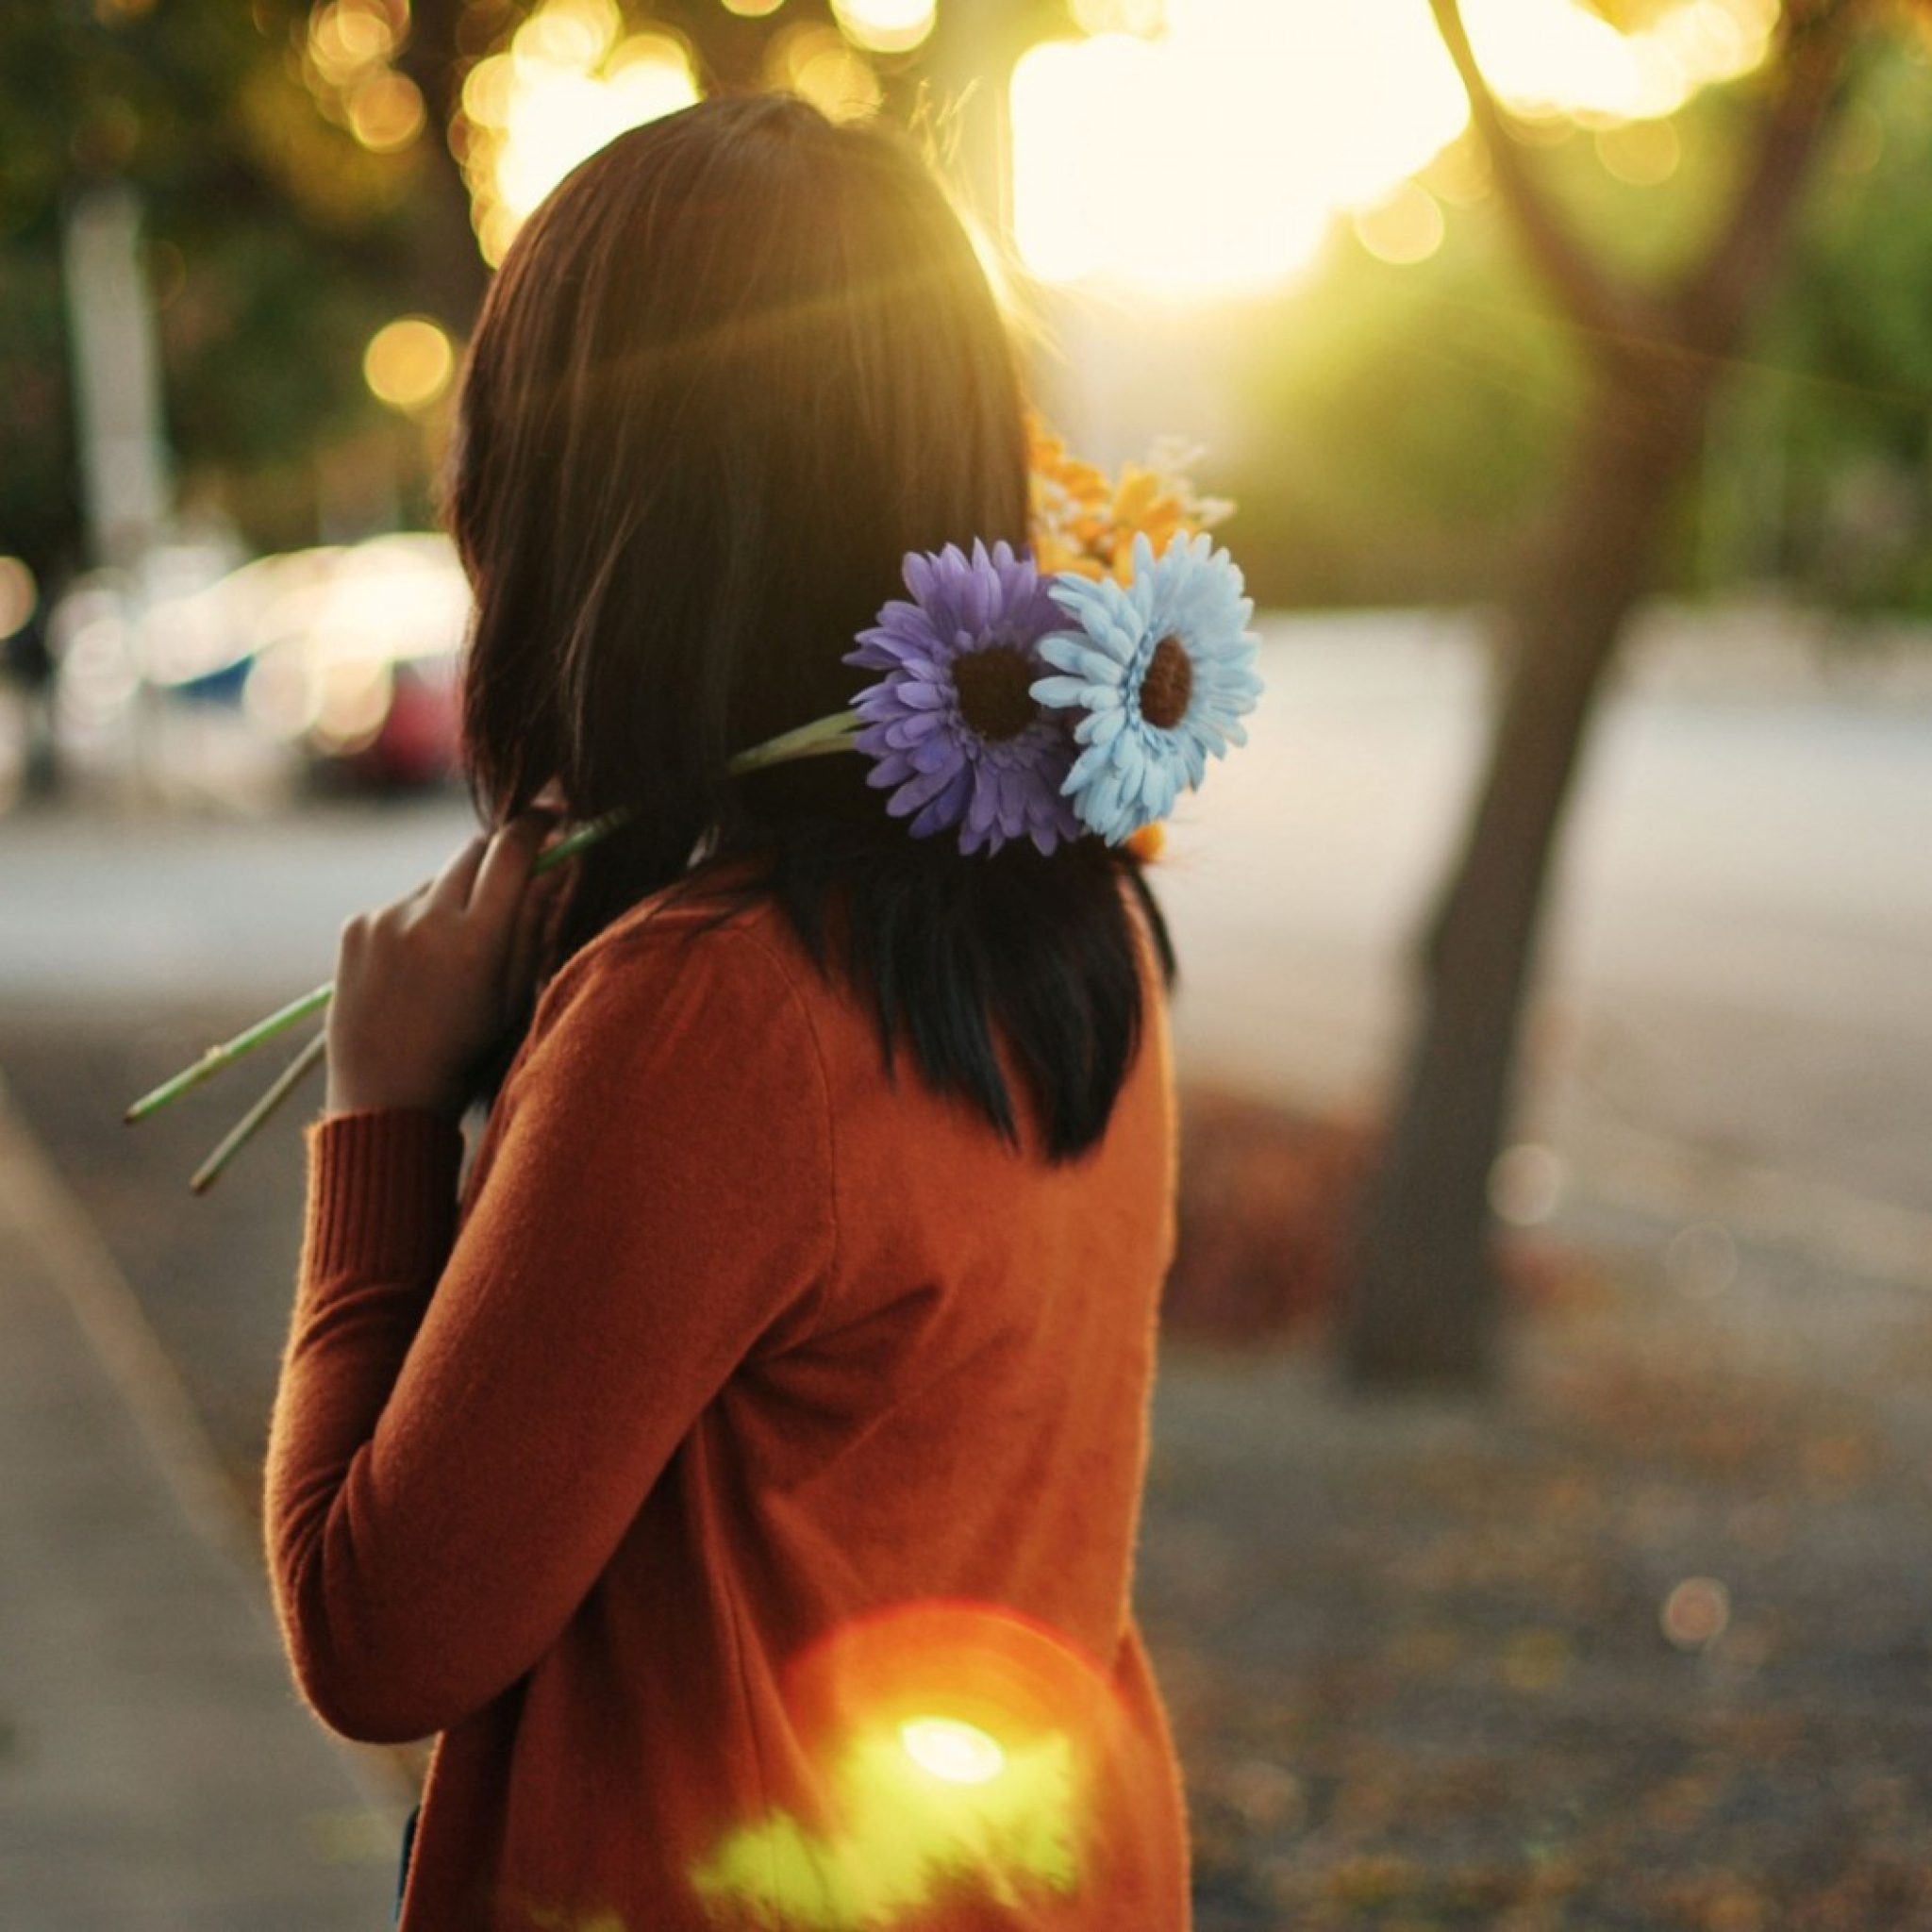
530,941
452,889
503,873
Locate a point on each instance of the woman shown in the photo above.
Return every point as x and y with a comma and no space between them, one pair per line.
744,1483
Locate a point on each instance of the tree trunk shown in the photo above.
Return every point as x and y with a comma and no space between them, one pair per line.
1423,1305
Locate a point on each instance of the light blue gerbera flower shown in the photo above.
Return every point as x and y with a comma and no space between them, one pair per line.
1163,668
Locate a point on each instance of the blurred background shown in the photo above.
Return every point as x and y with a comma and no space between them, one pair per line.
1538,1531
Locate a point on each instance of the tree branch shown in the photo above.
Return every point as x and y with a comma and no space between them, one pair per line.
1596,303
1814,40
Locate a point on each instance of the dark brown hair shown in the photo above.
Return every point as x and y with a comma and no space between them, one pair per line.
737,364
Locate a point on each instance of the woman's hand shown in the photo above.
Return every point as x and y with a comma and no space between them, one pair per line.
426,986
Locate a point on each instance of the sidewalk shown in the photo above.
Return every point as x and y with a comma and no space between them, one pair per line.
157,1772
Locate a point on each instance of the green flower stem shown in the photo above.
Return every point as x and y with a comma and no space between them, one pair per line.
580,839
258,1116
810,741
225,1055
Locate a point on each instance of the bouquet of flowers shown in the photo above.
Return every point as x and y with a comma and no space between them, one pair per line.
1075,688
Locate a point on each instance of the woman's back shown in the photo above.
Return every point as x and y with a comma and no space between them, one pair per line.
785,1581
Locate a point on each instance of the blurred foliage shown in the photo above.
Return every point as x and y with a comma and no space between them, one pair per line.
1402,419
1831,434
276,245
1431,400
1405,420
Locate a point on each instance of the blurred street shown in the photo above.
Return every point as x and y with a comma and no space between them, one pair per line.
1734,1003
1735,975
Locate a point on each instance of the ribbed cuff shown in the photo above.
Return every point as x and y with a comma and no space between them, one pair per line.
382,1197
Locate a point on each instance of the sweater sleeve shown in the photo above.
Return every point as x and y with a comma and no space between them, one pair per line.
453,1460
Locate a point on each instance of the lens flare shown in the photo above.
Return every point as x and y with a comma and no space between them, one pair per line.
961,1754
958,1750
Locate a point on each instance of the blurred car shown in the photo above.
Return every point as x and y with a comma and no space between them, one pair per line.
346,653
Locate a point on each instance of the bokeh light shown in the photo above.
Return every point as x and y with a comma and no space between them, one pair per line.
347,56
409,363
571,81
1526,1184
815,63
885,26
1645,153
19,593
1406,226
752,10
386,112
1218,156
1696,1613
347,36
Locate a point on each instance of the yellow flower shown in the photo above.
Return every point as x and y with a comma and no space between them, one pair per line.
1085,524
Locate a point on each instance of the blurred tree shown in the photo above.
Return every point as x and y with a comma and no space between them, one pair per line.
277,242
1419,398
1435,398
1824,477
1654,354
299,165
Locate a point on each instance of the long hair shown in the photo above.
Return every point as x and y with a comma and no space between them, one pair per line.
736,367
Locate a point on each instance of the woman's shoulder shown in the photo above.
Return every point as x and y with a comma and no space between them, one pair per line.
709,940
708,1009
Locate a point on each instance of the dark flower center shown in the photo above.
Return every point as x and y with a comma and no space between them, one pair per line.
994,695
1168,685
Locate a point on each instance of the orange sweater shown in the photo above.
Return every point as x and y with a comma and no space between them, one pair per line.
746,1484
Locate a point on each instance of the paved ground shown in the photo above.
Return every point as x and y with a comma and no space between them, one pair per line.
1648,1645
155,1771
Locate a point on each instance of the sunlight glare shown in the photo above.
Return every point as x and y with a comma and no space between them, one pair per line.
1218,155
1215,159
1143,17
885,26
949,1748
573,35
1546,57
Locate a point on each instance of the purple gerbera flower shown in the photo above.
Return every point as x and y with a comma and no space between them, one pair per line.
952,725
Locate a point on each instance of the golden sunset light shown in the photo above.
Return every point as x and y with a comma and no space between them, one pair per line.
1218,155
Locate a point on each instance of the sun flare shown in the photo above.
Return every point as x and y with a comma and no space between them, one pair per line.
1217,154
